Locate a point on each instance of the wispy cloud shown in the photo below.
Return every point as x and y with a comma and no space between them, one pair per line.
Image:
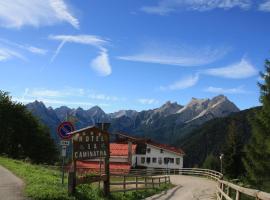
7,54
239,70
177,55
98,96
51,93
35,13
58,102
219,90
101,63
183,83
26,47
265,6
147,101
165,7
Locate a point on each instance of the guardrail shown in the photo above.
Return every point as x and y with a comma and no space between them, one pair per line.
133,182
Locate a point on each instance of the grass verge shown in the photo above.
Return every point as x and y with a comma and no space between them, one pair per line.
43,183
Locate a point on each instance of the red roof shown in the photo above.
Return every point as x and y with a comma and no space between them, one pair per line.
167,147
121,149
149,141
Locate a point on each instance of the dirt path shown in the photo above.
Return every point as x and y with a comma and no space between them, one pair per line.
10,186
188,188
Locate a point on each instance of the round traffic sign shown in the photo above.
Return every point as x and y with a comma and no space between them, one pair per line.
64,129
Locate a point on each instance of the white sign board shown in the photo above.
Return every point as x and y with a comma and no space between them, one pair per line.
64,151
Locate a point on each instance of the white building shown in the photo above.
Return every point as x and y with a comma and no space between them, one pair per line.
152,155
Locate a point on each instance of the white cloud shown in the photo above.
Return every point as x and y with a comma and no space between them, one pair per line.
57,102
26,47
36,50
101,64
18,13
49,93
148,101
242,69
167,6
184,83
104,97
177,55
93,40
219,90
7,54
265,6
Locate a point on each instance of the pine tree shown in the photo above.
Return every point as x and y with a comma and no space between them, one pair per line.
233,152
211,162
257,161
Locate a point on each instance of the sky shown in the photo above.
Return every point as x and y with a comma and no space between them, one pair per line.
132,54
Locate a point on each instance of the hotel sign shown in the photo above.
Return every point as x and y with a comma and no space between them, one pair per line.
90,143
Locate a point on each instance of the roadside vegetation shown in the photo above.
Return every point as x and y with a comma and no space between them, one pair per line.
43,183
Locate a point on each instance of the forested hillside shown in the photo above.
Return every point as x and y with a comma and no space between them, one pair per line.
211,137
22,135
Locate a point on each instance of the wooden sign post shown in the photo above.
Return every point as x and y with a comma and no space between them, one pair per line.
89,143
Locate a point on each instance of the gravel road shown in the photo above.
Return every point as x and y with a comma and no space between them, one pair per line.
10,186
188,188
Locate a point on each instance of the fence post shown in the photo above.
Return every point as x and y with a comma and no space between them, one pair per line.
169,179
237,195
153,185
124,185
228,190
159,182
136,179
145,183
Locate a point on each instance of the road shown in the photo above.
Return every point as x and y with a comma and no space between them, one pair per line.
10,186
188,188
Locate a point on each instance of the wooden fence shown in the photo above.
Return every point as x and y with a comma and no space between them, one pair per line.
225,190
134,182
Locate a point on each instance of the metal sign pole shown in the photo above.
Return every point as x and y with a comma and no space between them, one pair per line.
63,172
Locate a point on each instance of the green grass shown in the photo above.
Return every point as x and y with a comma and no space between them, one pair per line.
41,183
44,183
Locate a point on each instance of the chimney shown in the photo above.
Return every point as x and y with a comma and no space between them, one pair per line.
103,126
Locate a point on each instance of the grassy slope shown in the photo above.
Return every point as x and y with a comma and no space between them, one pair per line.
41,183
45,184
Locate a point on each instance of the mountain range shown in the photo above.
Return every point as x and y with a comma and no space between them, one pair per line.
165,124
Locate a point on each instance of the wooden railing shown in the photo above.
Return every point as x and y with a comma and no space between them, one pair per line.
225,190
230,191
134,182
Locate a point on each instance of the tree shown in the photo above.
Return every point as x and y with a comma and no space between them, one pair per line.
257,161
211,162
233,152
22,135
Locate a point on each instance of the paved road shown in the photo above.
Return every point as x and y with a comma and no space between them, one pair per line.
188,188
10,186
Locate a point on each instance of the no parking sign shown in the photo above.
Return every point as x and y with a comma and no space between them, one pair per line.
64,129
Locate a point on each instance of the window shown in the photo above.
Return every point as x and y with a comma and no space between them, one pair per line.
142,160
166,161
161,150
148,160
178,161
160,161
148,150
171,160
154,160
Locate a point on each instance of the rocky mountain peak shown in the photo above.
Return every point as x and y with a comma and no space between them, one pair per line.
169,108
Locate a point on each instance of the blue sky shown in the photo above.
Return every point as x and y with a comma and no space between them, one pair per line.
125,54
